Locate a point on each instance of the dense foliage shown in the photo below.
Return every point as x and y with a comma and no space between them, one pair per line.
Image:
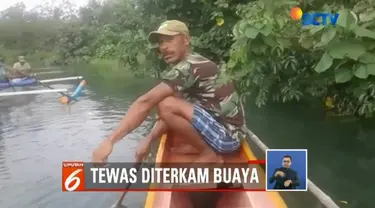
275,58
271,57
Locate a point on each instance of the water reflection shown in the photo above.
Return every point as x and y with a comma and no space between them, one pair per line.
4,127
38,135
16,101
341,152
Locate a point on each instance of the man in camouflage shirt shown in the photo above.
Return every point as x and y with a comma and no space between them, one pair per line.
211,122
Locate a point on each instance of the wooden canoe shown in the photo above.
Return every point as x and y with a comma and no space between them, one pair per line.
244,199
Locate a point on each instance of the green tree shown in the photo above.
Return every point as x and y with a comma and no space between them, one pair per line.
270,56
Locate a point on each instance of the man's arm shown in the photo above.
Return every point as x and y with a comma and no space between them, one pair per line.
28,68
295,179
157,131
173,82
139,110
273,178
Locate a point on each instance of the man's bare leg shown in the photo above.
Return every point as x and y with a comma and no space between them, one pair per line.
177,114
186,148
144,146
158,130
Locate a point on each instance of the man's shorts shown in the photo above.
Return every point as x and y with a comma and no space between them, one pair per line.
213,133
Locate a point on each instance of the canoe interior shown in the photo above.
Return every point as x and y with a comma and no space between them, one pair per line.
244,199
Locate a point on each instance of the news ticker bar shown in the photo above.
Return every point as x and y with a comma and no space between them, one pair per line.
81,176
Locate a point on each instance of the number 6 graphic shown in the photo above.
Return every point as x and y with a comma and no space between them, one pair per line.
72,177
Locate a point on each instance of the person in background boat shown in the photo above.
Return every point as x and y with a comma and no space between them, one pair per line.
285,177
210,117
22,68
3,74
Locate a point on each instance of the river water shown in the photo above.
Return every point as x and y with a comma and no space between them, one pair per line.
37,134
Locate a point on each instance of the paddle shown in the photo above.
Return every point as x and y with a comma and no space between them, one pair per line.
119,201
49,72
45,68
28,76
63,94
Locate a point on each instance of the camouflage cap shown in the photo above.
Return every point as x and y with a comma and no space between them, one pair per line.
169,27
21,58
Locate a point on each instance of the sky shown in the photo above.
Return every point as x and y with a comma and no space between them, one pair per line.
4,4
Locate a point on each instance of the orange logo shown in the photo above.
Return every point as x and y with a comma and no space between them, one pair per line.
296,13
73,176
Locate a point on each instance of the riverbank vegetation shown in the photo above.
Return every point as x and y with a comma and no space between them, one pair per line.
272,57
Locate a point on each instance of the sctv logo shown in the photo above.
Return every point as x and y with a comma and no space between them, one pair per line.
315,18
